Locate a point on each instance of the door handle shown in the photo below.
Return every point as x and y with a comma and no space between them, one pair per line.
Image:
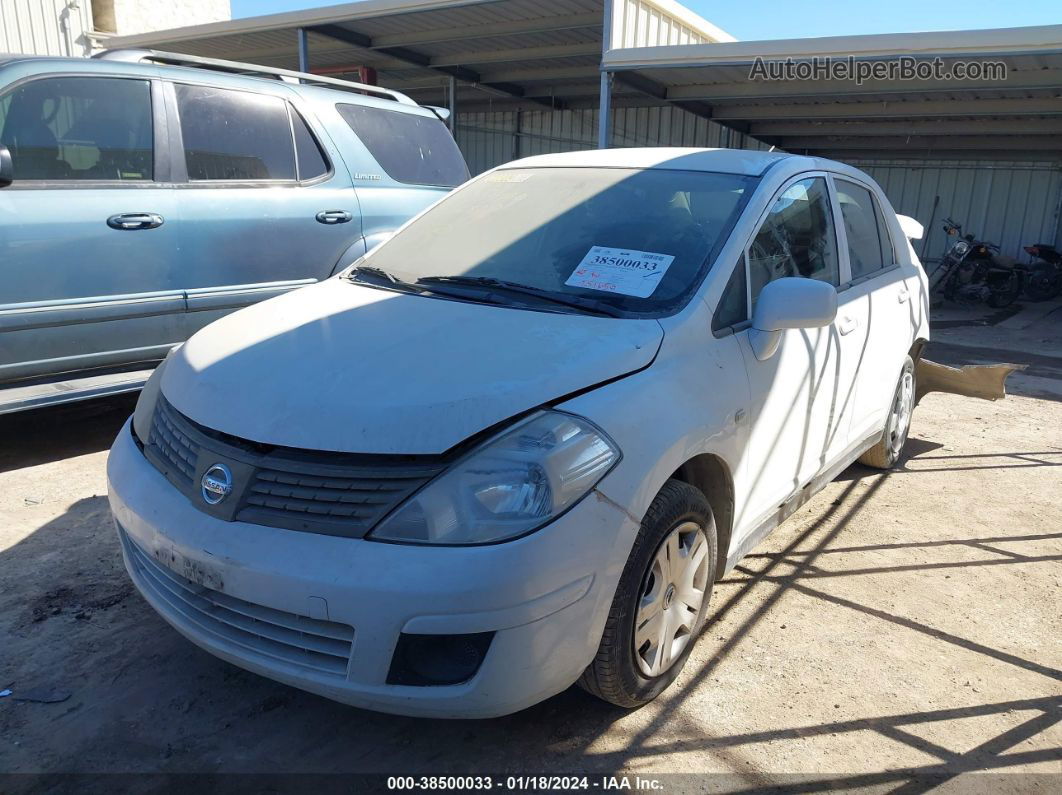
333,216
135,221
847,325
903,295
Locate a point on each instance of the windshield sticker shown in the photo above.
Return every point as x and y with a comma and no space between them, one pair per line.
620,270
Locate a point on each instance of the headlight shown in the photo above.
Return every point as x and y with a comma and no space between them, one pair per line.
508,487
145,404
960,248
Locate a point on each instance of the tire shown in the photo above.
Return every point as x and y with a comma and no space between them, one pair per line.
620,673
886,453
999,299
1044,282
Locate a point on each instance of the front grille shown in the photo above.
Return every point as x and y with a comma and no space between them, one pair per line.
312,491
177,449
309,643
354,498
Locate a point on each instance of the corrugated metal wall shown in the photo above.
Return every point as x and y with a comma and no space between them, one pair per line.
45,27
489,139
637,23
1012,204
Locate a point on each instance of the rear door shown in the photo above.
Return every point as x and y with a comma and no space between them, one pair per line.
266,205
88,238
878,295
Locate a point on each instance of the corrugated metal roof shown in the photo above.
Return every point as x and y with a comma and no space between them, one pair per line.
938,116
531,52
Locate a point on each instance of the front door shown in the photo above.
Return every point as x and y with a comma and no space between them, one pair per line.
796,408
88,238
265,207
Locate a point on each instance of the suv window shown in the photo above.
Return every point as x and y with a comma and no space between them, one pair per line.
79,128
310,160
797,239
869,249
235,135
410,148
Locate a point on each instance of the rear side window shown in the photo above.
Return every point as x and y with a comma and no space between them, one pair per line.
310,159
79,128
869,249
235,135
410,148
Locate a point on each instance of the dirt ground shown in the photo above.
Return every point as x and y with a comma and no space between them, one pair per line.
902,630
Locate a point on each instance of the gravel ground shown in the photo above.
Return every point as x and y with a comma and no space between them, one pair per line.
900,624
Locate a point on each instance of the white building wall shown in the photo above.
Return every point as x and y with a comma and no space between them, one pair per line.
130,17
45,27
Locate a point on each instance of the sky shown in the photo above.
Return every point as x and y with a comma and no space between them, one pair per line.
774,19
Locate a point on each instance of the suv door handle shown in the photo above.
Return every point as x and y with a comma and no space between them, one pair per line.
333,216
135,221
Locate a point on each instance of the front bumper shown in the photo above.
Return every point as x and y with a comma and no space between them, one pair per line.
294,603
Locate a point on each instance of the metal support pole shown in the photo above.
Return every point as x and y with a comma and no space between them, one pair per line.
453,106
604,108
304,51
604,121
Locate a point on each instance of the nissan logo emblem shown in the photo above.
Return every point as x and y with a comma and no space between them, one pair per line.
216,484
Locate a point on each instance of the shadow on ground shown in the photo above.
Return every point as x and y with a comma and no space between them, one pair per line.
143,699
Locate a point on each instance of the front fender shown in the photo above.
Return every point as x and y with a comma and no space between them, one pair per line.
681,406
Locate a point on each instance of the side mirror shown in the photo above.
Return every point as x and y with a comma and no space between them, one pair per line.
787,303
7,169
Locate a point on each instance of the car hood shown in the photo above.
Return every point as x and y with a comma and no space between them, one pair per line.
343,367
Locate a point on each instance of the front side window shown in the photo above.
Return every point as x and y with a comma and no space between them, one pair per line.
732,310
640,240
414,149
869,249
235,135
79,128
797,239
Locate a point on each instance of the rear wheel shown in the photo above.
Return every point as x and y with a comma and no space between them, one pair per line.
886,452
660,602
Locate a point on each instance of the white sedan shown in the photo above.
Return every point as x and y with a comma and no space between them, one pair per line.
513,447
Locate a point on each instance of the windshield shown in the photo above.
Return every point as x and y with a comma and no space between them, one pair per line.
639,240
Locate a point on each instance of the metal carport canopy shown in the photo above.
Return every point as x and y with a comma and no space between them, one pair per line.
502,54
1019,117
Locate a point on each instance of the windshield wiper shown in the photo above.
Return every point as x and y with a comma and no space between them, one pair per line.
490,283
383,278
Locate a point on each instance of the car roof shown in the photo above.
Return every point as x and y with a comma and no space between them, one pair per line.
727,161
321,92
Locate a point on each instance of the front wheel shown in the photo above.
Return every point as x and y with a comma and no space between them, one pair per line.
660,602
886,452
1007,294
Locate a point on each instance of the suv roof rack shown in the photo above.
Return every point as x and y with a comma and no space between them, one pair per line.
235,67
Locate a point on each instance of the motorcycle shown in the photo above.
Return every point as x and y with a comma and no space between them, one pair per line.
973,271
1044,280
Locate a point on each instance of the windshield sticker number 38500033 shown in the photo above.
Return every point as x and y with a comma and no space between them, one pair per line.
620,270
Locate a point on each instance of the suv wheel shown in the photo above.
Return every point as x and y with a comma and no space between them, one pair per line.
660,602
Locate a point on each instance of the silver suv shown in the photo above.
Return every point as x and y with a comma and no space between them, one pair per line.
144,195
